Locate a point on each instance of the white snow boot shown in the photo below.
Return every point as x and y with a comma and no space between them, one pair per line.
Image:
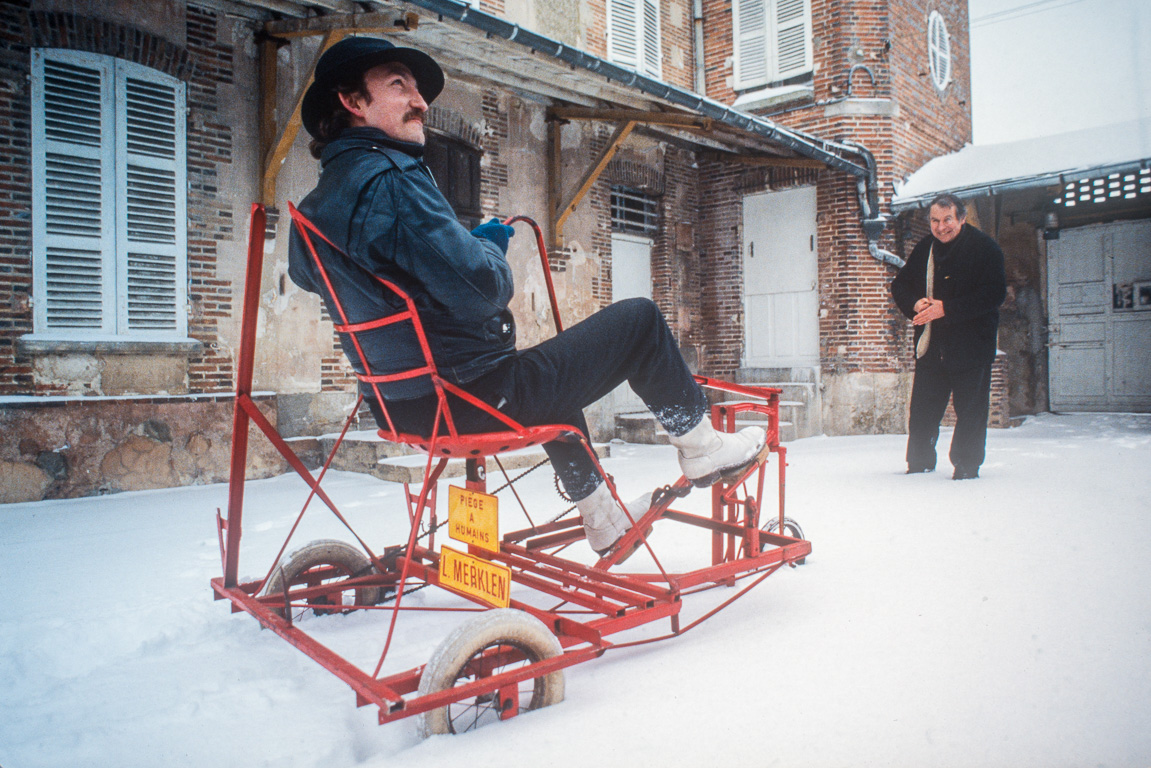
706,455
603,520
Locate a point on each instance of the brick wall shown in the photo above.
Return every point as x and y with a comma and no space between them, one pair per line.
882,46
15,198
210,142
203,63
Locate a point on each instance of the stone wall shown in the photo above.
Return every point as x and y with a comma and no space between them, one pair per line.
66,447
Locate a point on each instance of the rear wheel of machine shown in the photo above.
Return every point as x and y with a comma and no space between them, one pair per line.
491,643
322,562
790,528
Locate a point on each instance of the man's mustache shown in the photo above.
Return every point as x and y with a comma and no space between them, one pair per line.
414,114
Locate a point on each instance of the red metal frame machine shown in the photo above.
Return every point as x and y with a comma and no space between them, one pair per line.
530,608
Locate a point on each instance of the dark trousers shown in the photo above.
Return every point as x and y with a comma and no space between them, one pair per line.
553,382
970,392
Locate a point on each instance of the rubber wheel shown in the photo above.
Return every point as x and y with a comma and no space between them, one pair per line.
322,562
790,528
489,643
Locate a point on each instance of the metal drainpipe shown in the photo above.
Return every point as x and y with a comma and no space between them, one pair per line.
873,221
697,20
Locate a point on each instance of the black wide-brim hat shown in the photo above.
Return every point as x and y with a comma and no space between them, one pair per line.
354,56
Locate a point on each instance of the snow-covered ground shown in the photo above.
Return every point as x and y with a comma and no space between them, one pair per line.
1004,621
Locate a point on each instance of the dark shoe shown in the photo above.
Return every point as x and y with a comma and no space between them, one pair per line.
965,473
918,470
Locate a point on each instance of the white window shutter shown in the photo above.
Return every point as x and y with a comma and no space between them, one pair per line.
750,32
623,43
772,41
73,246
652,64
792,38
151,221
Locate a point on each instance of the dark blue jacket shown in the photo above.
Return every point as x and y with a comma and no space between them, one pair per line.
378,201
970,281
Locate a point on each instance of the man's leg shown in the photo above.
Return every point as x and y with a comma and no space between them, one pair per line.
930,391
627,341
972,389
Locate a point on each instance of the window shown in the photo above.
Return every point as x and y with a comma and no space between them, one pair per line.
633,35
939,50
772,41
455,165
634,212
109,210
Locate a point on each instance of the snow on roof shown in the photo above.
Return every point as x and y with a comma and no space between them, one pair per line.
1033,162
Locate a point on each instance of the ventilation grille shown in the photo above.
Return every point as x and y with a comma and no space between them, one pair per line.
651,48
634,212
71,104
1117,186
792,37
151,118
151,205
939,50
752,40
151,291
74,294
72,196
624,37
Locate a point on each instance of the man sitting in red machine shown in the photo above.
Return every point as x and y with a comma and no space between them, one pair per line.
378,202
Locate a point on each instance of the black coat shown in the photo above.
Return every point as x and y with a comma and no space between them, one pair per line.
381,205
970,282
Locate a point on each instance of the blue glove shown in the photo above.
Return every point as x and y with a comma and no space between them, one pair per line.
495,231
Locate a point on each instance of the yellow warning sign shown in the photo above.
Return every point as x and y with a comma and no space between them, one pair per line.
489,582
474,518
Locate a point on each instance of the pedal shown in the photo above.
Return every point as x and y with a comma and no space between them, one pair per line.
736,474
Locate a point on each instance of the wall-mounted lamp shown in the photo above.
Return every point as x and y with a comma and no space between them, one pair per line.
1051,226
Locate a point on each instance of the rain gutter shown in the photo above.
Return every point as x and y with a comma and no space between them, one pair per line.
807,146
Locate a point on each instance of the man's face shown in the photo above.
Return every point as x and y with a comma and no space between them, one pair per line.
946,223
393,103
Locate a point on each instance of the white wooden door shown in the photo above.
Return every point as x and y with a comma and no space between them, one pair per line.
630,277
780,276
1099,329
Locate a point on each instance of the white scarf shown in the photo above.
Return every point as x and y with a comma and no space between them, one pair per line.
925,337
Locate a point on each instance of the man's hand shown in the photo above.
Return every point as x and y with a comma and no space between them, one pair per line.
927,310
496,231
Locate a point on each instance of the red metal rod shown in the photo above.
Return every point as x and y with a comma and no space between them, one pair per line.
546,265
239,460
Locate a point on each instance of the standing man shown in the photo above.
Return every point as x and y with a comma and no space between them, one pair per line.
951,288
378,202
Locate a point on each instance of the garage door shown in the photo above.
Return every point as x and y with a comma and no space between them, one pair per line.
1099,303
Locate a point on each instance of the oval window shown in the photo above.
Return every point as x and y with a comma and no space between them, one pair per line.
939,50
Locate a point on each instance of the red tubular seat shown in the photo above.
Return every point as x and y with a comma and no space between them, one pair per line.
444,441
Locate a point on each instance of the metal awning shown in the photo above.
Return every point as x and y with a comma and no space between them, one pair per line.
1045,162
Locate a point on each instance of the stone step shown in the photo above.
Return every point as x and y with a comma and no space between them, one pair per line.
642,428
794,406
793,391
366,452
410,468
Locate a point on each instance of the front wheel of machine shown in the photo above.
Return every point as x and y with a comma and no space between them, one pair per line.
490,643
